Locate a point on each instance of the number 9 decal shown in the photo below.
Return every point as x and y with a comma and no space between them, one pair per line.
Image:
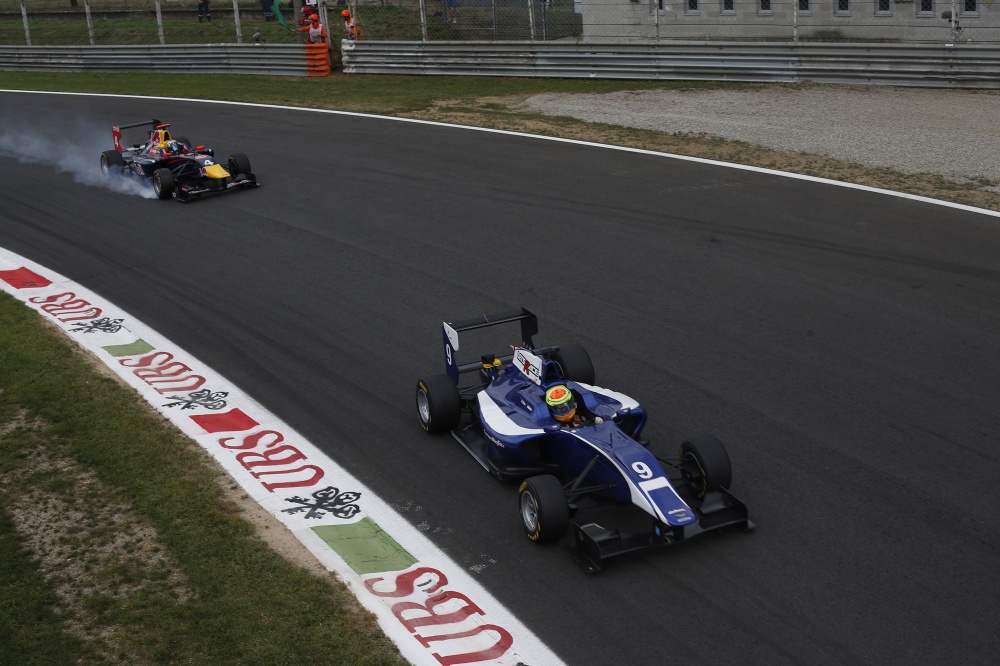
447,354
642,469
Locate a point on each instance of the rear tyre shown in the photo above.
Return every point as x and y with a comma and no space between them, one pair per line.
544,510
239,163
112,163
705,464
163,183
575,363
439,406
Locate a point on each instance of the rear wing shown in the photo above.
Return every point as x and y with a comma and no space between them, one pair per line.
116,131
529,328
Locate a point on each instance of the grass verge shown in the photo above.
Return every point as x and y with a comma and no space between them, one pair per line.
118,544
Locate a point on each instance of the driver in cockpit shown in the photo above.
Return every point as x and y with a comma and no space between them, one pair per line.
563,408
174,147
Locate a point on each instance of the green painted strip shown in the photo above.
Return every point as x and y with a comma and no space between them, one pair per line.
366,547
131,349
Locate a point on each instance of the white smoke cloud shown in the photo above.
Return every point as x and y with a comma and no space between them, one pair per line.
70,148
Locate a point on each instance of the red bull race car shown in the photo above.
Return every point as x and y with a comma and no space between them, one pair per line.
173,166
536,417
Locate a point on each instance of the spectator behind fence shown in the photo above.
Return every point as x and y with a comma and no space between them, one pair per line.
204,11
315,32
267,9
350,27
304,19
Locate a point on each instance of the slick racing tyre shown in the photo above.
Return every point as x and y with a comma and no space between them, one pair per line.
439,406
705,464
163,183
575,363
238,163
544,510
112,163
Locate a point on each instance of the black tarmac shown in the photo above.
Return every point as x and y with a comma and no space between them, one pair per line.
844,344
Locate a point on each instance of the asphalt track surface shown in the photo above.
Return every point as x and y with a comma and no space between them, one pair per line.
843,343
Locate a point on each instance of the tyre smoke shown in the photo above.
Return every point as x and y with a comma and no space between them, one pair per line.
74,152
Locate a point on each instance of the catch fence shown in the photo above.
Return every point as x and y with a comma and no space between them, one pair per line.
124,22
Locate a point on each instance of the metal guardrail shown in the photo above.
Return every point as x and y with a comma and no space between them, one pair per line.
272,59
958,66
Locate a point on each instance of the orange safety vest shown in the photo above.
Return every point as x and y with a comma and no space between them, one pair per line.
317,33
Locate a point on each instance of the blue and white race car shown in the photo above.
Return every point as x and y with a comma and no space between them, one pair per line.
537,417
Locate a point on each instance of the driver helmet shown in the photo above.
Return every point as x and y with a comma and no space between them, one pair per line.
346,13
561,403
173,147
314,18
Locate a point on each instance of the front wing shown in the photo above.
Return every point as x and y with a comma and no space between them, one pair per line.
593,543
187,191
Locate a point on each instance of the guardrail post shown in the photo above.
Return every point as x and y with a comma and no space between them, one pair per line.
236,19
795,21
423,19
531,18
656,16
159,23
24,19
951,21
90,21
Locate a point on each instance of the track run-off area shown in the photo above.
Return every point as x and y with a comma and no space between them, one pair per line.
842,342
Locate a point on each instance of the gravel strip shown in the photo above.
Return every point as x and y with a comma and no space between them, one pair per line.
953,133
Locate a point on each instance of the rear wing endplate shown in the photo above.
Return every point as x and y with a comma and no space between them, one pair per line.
116,131
529,328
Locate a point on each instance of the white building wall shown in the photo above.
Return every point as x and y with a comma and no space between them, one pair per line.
624,20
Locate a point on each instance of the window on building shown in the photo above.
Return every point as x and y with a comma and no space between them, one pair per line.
842,7
970,6
883,7
925,7
728,6
803,5
764,7
691,7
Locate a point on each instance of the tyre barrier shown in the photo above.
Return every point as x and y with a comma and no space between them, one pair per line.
317,60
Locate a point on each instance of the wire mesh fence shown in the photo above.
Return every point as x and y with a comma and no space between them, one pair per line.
134,22
125,22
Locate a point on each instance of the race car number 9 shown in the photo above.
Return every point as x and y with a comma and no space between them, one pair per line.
642,469
447,354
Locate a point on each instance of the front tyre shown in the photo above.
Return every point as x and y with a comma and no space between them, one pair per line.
439,406
239,163
112,163
544,510
163,183
705,464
